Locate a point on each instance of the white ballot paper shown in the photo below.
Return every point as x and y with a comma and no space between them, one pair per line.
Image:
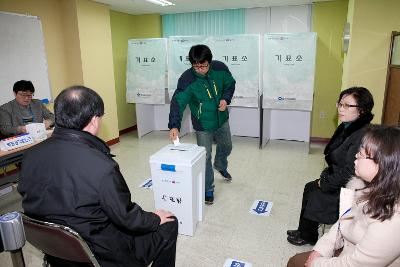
176,141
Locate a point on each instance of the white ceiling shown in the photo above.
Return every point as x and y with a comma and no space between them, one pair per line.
137,7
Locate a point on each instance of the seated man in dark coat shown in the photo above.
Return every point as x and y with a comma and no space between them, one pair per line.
71,179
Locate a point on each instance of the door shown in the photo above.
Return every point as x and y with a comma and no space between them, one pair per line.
391,107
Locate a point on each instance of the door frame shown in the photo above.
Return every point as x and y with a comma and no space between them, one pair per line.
389,66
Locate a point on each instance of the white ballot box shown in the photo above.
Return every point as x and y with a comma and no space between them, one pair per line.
178,183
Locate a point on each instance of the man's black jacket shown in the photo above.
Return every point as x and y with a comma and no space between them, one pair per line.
72,180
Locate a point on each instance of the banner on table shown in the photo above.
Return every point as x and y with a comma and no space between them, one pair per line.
146,71
241,54
289,67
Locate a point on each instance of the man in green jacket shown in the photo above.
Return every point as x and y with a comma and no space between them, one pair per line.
208,88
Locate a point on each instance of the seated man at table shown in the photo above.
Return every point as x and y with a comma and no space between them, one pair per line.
71,179
23,110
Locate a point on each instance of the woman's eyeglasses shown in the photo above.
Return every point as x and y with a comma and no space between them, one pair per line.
360,155
345,106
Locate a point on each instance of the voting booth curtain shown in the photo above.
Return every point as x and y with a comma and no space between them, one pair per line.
288,72
146,70
147,65
288,61
289,67
147,75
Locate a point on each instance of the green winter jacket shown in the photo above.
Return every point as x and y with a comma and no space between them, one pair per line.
203,93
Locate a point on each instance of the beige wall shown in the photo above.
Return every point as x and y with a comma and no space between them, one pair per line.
121,31
147,26
77,39
123,28
329,19
97,61
71,36
365,65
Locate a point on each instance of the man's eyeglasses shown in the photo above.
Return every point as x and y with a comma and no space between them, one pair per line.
25,95
345,106
360,155
200,66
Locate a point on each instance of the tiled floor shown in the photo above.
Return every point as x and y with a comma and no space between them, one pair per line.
276,173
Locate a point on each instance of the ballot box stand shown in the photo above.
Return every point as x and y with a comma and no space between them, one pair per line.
178,183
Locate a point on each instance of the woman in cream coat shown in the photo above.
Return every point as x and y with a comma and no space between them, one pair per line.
368,230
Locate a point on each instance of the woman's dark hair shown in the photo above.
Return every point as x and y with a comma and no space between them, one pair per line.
382,144
363,97
200,54
75,106
23,86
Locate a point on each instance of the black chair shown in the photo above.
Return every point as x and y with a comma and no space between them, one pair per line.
58,242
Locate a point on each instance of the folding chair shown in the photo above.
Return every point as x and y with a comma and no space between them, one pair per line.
57,241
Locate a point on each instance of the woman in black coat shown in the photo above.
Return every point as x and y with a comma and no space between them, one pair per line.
320,202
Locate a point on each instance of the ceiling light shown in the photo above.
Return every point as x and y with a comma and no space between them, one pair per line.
161,2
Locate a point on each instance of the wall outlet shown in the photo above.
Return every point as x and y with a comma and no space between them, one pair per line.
322,115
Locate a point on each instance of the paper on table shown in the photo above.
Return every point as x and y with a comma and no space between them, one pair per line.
37,130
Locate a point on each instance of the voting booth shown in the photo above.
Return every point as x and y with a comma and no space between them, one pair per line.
178,183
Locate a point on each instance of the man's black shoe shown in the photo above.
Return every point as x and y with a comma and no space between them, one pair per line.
293,232
298,241
226,175
209,198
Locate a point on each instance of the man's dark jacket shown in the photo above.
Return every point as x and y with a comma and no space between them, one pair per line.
323,204
71,179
